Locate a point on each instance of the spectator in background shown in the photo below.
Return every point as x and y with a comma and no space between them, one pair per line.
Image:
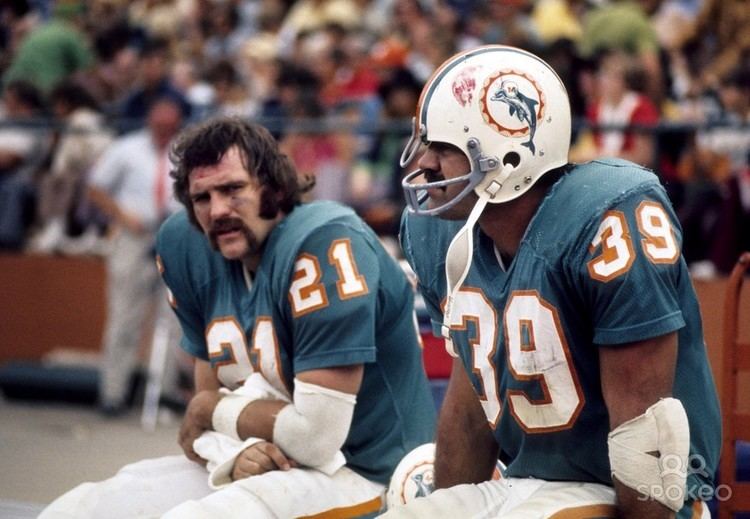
111,77
733,227
311,15
428,49
717,42
130,183
624,25
23,150
621,102
728,137
259,67
231,97
508,22
17,18
557,19
323,156
158,18
225,34
730,143
293,81
82,140
199,93
154,82
53,50
376,180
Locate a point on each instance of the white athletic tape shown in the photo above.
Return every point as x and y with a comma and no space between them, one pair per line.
313,428
650,453
226,413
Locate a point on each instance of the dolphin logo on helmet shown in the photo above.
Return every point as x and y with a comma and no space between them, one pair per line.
519,105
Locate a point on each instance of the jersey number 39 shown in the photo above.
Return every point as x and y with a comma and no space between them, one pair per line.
536,347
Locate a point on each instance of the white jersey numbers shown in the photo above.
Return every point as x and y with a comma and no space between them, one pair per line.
307,293
265,354
537,350
617,248
472,307
617,253
659,244
351,283
234,362
228,352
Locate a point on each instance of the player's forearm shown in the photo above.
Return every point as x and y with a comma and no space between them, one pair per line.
632,505
204,376
258,418
466,451
463,458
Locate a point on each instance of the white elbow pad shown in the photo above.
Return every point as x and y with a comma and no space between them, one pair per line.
650,453
312,429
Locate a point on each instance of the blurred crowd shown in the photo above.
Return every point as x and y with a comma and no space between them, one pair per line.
663,83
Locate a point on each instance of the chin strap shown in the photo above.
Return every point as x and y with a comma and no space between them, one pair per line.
457,265
460,253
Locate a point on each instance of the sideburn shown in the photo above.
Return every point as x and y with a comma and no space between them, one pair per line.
269,204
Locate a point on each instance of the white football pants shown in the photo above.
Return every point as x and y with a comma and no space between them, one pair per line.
174,487
517,498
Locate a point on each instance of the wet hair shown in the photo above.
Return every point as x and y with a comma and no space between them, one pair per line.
206,144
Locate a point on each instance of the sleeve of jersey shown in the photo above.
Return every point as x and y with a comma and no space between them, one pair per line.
332,298
182,300
631,270
431,300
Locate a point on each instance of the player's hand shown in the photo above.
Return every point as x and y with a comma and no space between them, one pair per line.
260,458
197,420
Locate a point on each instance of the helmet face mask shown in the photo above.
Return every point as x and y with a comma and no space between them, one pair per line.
505,109
416,193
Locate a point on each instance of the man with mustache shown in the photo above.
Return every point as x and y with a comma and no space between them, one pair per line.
309,379
562,295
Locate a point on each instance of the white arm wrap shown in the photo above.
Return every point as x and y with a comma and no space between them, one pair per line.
227,411
313,428
650,453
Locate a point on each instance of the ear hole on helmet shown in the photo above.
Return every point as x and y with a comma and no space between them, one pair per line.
512,158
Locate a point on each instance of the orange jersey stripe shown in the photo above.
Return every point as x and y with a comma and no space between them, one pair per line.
586,512
344,512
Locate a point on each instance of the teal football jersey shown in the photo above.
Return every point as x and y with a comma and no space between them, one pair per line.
325,294
599,266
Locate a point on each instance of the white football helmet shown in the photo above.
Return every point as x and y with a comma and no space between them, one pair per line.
509,113
415,476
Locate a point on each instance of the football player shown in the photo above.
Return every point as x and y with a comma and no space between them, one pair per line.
303,329
563,296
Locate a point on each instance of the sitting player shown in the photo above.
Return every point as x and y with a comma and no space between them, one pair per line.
563,296
308,360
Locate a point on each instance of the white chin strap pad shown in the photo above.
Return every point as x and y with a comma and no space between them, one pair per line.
649,453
